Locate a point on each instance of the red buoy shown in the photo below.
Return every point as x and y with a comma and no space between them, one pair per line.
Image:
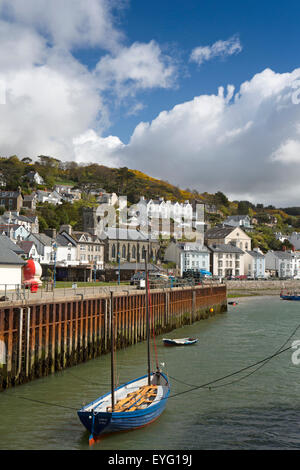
32,272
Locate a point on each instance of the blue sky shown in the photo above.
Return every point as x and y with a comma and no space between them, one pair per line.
268,33
205,95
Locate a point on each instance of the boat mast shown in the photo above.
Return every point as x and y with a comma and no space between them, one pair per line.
112,336
147,316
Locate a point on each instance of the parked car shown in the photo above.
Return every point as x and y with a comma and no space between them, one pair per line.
136,278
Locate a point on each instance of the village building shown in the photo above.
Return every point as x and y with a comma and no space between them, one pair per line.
14,232
188,256
255,264
223,235
30,249
126,245
283,264
90,249
30,201
11,200
11,265
30,223
226,260
34,178
52,197
242,221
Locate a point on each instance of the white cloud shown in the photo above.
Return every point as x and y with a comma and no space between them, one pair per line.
140,66
218,49
90,147
53,104
288,152
67,23
242,143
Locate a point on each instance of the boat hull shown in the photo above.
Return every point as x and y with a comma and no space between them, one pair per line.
174,342
99,423
290,297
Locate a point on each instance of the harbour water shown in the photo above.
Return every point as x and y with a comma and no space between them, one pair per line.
260,412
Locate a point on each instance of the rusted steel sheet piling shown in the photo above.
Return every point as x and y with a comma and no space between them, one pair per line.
37,339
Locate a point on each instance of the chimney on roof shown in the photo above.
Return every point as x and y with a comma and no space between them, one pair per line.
51,232
66,228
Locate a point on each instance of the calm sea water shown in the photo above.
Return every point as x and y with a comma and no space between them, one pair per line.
259,412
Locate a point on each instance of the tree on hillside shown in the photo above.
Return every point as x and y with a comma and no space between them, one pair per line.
243,208
221,199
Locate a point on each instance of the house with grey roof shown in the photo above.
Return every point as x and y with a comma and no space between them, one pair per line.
30,201
283,264
13,231
242,221
221,234
30,249
30,223
226,260
10,264
255,265
128,245
9,244
11,200
188,256
89,248
34,178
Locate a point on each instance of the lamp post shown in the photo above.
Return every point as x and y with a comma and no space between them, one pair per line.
95,271
54,246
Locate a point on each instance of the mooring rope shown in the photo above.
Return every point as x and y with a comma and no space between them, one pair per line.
193,387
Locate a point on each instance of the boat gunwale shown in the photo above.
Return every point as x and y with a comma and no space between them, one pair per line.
138,412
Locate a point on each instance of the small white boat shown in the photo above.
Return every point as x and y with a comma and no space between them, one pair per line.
180,341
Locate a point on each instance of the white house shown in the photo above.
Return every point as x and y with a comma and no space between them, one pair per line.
169,210
34,177
14,232
226,260
10,264
52,197
243,221
30,249
57,249
223,235
31,224
294,239
284,264
255,264
188,256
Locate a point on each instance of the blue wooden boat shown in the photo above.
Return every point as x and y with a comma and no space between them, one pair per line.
179,342
132,405
288,296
